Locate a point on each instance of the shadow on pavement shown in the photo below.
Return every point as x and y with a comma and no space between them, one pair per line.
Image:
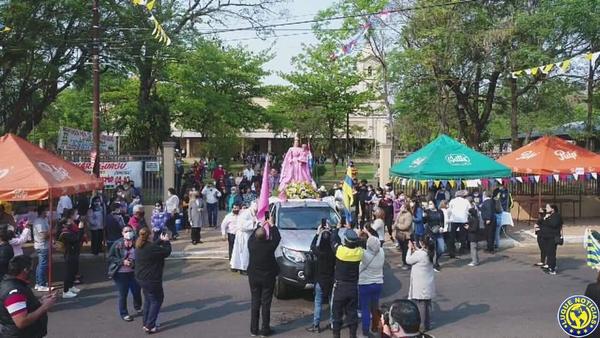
206,314
459,312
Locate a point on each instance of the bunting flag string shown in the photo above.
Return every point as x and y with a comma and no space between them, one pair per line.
158,32
561,66
349,46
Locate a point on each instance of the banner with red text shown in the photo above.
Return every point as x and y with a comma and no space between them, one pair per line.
116,173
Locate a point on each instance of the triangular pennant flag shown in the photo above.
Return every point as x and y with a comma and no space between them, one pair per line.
575,176
588,56
513,180
437,183
534,71
594,58
444,183
532,179
548,68
556,177
588,176
452,184
499,180
464,182
516,74
429,183
550,178
565,65
520,179
528,71
595,175
404,181
485,183
537,178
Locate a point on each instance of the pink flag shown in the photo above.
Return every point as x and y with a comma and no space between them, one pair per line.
265,193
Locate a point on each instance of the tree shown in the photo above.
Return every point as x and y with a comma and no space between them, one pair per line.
322,95
212,91
42,55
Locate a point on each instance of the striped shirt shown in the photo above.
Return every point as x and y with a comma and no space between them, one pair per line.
15,303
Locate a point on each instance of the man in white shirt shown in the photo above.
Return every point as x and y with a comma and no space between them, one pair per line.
172,208
41,244
229,226
249,172
458,210
64,202
211,196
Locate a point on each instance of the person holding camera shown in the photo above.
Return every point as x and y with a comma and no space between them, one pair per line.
370,280
348,255
401,319
550,230
121,260
71,237
434,222
324,274
148,271
262,271
422,278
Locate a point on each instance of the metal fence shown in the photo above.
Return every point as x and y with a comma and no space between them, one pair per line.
152,172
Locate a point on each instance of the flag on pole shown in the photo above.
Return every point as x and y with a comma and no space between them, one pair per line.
593,249
265,193
348,193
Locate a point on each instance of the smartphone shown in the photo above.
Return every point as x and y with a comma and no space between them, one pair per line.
323,223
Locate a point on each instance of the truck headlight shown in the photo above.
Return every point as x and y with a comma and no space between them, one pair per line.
293,255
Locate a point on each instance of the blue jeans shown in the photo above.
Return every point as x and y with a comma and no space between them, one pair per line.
41,272
498,229
368,299
319,306
153,299
125,282
213,209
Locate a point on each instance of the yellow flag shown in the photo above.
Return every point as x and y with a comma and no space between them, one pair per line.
423,183
588,56
437,183
464,183
565,65
452,183
548,68
150,5
534,71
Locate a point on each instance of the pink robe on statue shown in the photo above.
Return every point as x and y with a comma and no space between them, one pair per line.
295,168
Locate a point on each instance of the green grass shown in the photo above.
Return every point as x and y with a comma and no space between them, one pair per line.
327,178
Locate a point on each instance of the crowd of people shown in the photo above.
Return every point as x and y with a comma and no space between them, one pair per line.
348,257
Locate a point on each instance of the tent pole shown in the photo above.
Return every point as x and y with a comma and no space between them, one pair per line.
50,241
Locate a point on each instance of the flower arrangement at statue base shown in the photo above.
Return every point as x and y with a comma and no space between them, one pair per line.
301,190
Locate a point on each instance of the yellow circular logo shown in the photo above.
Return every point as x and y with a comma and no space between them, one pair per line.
578,316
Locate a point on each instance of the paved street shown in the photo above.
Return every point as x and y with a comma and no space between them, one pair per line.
504,297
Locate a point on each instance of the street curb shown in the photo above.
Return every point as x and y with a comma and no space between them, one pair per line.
571,239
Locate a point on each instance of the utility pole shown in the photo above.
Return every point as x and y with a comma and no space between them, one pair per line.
348,137
96,86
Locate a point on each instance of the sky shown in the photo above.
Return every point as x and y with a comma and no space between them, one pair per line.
283,47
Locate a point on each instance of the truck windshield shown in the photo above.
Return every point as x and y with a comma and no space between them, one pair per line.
303,218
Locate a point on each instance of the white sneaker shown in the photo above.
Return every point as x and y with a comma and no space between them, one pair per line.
36,287
69,294
472,264
74,290
41,288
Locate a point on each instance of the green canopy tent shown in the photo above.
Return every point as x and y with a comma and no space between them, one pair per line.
447,159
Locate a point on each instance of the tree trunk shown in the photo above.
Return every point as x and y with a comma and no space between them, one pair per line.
514,127
332,152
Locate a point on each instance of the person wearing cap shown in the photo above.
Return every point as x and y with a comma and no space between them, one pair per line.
458,210
348,255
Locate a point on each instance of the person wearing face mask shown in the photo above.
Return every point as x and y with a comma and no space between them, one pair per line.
434,220
211,196
95,218
121,259
387,205
114,225
159,220
195,215
21,313
403,227
550,231
418,225
229,226
234,198
71,237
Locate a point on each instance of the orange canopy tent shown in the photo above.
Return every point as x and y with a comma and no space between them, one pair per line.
30,173
551,155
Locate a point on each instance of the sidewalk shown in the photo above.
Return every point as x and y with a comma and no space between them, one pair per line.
573,231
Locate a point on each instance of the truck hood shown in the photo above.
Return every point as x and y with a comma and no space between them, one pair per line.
298,240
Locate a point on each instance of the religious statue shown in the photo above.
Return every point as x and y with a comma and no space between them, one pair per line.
295,167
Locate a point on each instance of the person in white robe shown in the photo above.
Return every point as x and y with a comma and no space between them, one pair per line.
246,225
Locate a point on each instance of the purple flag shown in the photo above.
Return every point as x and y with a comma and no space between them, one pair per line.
265,193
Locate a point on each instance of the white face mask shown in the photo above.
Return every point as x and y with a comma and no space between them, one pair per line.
129,236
